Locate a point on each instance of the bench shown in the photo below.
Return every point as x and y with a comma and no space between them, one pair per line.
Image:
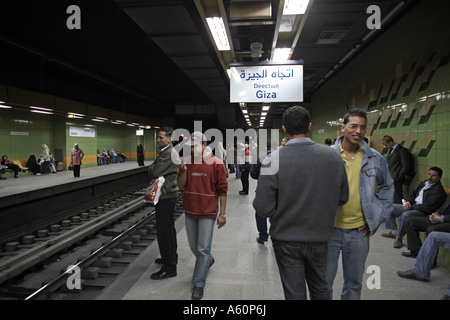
17,162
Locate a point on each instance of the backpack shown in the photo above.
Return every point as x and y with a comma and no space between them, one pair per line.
411,172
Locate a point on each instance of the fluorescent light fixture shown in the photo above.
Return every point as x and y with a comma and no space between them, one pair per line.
41,111
5,106
98,120
40,108
244,111
292,7
219,33
265,108
263,114
121,121
281,54
101,118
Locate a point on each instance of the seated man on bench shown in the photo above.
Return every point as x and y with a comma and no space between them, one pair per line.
422,201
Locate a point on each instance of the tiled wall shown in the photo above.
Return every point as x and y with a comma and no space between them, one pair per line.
23,133
403,81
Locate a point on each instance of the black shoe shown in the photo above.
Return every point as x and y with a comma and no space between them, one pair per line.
211,263
16,176
163,275
197,293
242,193
410,275
410,254
259,240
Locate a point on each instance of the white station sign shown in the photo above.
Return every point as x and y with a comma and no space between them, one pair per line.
266,83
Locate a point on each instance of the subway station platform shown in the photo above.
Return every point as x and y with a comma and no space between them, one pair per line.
244,270
247,270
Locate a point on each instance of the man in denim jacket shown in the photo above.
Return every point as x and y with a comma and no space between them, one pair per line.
370,203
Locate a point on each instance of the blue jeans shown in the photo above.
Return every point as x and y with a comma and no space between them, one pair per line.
397,212
301,264
355,248
199,233
428,253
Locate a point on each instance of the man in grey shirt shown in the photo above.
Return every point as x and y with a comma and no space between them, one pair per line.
301,199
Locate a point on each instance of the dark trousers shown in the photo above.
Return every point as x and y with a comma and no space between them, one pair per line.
301,264
166,233
261,225
76,170
414,225
398,191
244,180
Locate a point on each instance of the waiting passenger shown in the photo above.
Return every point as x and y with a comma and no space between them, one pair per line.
44,161
437,221
76,155
33,166
121,155
369,204
328,142
106,155
425,259
101,159
301,223
11,166
52,163
115,158
204,180
140,154
424,200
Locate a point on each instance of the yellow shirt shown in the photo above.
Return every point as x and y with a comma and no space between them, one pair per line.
350,215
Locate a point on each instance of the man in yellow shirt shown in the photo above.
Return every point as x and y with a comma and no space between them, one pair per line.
370,203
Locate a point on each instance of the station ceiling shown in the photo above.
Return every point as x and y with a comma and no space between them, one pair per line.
156,58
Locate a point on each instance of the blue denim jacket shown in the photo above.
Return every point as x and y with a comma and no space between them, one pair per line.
376,186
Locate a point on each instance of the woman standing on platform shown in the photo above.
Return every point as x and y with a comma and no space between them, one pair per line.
76,155
140,154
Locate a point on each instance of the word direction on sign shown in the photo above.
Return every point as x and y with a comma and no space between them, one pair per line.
266,83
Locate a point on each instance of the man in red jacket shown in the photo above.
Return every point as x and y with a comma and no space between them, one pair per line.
204,180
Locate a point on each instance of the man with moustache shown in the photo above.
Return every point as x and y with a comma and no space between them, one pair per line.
370,203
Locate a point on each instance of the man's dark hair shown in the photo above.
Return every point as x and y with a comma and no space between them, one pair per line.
355,113
168,131
296,120
438,170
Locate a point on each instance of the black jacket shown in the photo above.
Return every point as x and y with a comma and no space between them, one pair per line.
398,162
433,198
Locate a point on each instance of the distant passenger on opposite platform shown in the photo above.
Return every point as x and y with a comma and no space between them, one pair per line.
422,201
33,165
115,157
101,159
398,164
52,162
299,189
11,166
140,154
106,156
76,157
44,160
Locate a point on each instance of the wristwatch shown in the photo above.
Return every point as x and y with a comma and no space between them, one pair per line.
223,215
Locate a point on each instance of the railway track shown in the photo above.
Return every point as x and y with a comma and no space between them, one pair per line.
78,258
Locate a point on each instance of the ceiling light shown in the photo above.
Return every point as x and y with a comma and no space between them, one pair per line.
5,106
265,108
40,108
281,54
41,111
219,33
292,7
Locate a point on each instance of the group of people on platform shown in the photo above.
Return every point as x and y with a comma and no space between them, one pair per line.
43,165
110,156
324,203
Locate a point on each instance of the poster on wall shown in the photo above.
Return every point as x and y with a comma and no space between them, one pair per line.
266,82
82,132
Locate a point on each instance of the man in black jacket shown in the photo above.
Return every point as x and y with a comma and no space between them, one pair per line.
437,221
398,164
424,200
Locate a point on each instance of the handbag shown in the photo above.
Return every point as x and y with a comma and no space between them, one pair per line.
154,190
70,168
